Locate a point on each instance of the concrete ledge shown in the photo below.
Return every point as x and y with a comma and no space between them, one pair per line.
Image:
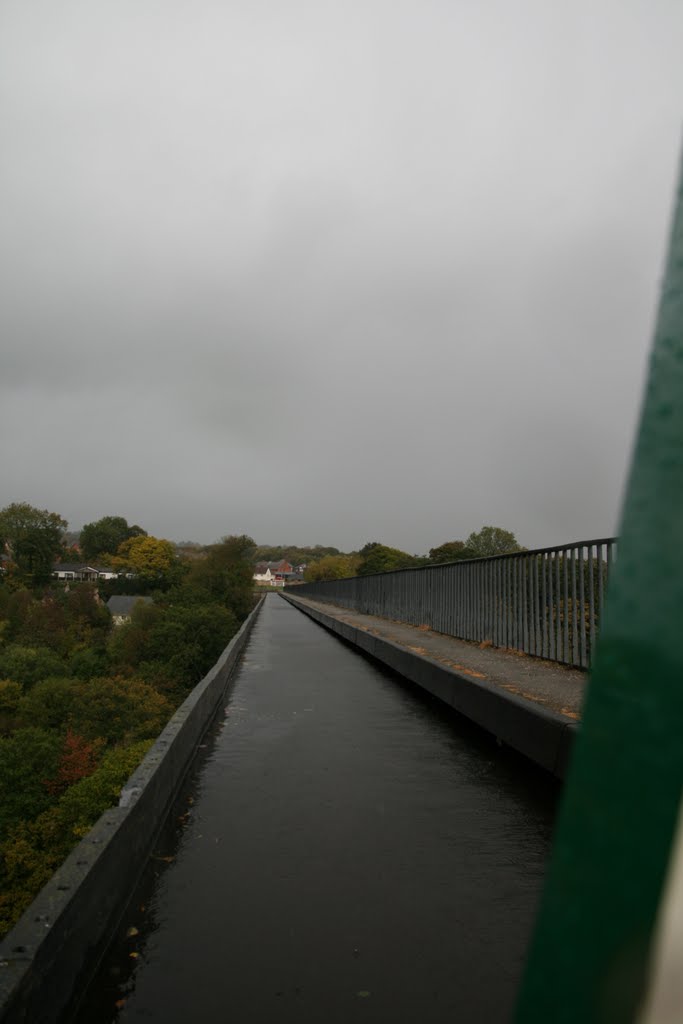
57,942
544,736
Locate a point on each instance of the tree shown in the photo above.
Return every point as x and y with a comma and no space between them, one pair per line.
118,710
33,539
64,621
78,760
186,642
153,560
28,665
377,557
37,621
10,699
491,540
292,553
47,705
227,573
173,644
106,535
28,760
452,551
114,709
332,567
33,850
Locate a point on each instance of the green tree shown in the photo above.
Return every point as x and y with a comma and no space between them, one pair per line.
113,709
491,540
28,665
332,567
106,535
89,661
88,620
28,760
292,553
33,539
173,645
227,573
128,644
10,698
377,557
186,642
452,551
47,704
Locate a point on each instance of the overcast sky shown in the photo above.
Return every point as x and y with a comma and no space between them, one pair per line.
332,271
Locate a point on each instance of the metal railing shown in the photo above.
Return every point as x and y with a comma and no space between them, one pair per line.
546,602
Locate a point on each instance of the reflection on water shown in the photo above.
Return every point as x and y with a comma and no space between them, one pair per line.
351,849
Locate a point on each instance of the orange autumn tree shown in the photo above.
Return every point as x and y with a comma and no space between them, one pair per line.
77,761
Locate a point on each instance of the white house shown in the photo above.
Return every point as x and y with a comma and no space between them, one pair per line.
263,576
81,571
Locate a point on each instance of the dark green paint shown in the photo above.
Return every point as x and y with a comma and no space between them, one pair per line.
589,957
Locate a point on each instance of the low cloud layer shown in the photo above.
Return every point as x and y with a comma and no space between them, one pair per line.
332,272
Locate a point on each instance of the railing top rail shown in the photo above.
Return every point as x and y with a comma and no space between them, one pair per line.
556,549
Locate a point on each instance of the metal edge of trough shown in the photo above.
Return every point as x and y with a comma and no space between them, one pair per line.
56,942
545,737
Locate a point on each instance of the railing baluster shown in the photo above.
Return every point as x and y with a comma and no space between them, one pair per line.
582,609
539,568
591,604
509,603
556,611
525,603
574,644
550,608
565,608
545,645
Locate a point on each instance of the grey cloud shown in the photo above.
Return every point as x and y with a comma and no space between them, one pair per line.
331,273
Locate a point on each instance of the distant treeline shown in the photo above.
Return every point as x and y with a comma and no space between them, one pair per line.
376,557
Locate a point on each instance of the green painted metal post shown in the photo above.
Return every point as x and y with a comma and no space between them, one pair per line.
589,957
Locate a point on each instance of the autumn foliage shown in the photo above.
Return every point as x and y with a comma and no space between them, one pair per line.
82,700
78,760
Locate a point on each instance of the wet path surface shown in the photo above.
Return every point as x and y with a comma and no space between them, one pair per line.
554,686
352,852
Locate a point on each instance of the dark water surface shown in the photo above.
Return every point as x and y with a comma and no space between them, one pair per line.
353,852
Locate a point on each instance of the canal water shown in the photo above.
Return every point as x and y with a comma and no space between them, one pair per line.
348,850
